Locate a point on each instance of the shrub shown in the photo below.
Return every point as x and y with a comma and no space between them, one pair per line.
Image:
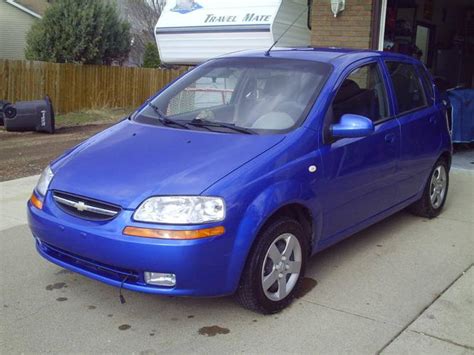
86,31
151,57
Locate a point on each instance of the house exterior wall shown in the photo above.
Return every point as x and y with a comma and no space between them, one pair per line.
14,24
352,28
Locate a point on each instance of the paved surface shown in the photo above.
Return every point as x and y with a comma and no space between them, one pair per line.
446,326
464,159
404,285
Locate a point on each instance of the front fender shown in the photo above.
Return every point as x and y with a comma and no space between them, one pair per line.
257,213
277,178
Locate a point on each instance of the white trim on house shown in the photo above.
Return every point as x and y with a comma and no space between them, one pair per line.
383,15
21,7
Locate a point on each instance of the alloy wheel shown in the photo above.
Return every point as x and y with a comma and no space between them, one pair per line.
281,267
438,186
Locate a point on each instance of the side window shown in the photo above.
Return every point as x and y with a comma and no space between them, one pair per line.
213,90
362,93
407,86
425,77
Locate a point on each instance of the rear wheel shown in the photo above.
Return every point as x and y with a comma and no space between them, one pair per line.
435,193
275,267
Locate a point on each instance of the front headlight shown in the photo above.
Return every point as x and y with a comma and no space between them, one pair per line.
181,210
44,181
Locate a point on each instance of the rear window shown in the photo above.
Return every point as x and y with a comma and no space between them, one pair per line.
408,89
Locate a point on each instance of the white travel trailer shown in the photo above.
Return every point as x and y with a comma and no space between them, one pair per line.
192,31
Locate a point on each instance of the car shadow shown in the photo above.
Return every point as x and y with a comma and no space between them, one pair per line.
175,308
358,243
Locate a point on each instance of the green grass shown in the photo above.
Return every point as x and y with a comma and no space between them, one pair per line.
96,116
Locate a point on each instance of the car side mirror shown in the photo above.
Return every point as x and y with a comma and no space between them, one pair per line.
352,126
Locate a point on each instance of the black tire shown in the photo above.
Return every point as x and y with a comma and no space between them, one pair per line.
250,293
424,206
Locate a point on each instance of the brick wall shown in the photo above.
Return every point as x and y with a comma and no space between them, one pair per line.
351,28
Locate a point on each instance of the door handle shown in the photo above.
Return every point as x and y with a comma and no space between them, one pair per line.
433,119
390,138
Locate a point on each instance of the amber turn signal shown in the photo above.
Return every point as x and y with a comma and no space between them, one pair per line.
35,201
174,234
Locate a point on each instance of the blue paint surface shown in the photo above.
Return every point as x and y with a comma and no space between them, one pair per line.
360,179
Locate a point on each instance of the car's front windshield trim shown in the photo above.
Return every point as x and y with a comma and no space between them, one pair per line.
244,64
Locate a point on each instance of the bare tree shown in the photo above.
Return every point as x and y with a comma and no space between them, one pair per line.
143,16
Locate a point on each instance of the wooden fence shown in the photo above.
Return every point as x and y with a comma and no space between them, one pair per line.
75,87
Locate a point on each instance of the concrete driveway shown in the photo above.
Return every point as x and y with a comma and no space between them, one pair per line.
404,285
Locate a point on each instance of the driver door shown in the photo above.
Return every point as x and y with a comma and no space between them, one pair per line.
360,173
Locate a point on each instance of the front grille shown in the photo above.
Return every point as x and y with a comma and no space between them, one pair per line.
85,208
108,271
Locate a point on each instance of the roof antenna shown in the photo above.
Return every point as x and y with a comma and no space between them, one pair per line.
267,53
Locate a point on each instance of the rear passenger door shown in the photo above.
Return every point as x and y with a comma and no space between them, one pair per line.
360,173
419,121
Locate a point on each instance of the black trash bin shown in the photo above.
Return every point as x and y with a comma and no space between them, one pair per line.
30,116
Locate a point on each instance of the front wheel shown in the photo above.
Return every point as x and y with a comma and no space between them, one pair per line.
275,267
435,192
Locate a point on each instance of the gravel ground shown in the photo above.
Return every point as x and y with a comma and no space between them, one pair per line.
27,153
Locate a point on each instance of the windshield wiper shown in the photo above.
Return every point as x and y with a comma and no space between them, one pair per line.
165,120
205,123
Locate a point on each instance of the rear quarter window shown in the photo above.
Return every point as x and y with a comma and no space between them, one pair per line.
409,91
427,82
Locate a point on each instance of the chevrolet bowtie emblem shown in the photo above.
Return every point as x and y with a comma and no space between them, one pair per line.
80,206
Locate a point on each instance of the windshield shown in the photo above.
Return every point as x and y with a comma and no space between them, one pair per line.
265,95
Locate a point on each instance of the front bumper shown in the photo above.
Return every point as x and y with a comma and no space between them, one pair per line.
100,251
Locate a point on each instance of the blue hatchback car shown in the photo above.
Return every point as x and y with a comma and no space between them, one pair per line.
231,177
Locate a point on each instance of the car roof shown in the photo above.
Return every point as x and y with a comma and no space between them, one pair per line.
331,55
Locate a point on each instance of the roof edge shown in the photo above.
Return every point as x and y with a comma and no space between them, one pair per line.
23,8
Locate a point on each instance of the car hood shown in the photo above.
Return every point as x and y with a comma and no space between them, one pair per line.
130,162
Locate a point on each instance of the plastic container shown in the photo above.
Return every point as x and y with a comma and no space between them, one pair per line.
30,116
